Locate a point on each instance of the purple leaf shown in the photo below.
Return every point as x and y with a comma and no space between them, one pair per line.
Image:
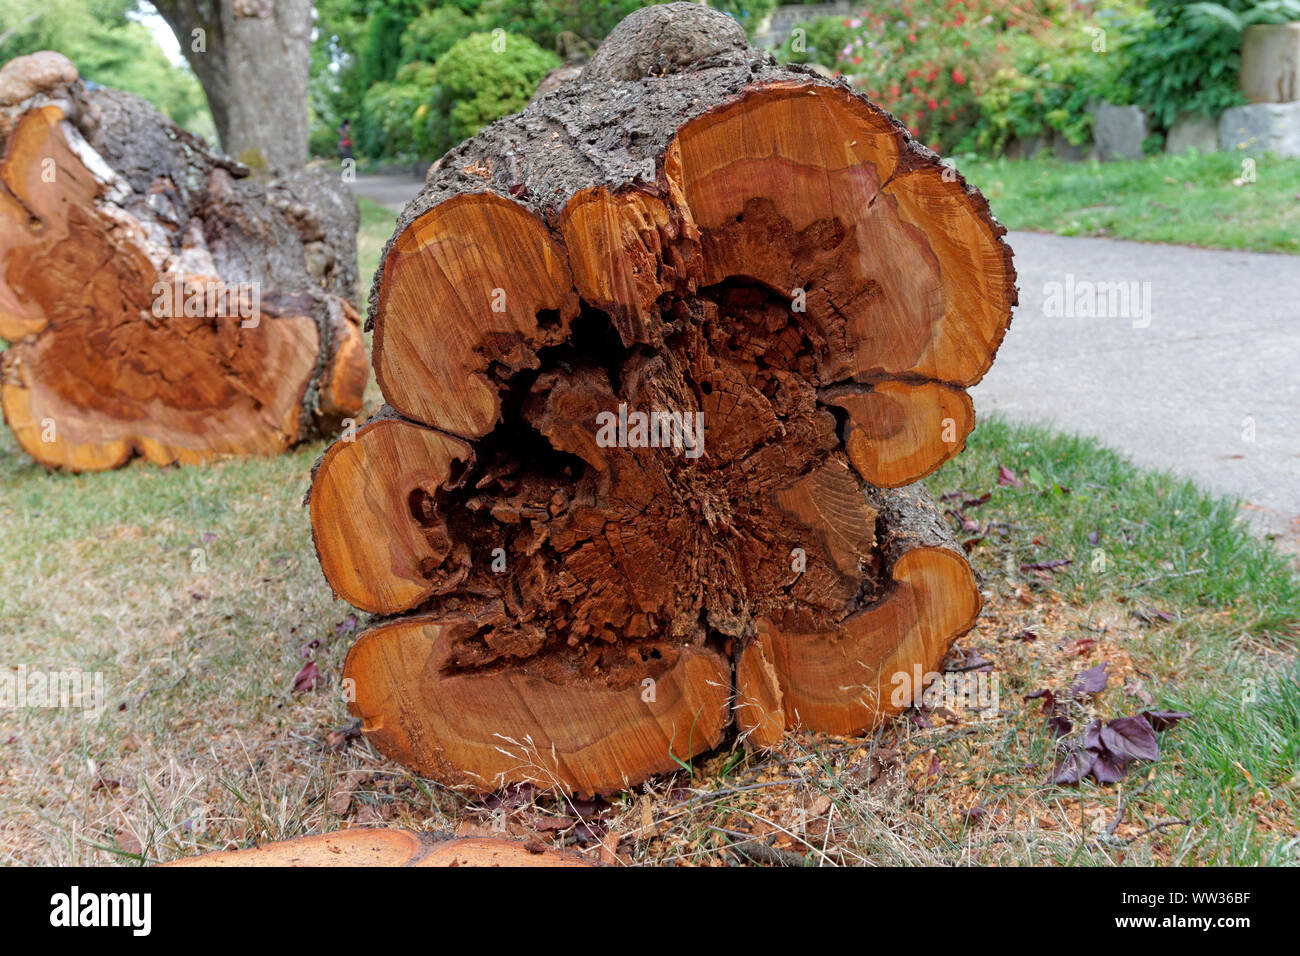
1049,699
1108,768
1164,719
1007,477
1091,681
1094,538
1060,724
1092,738
1073,768
1131,737
306,678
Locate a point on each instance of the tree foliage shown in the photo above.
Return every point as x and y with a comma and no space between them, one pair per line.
366,50
108,47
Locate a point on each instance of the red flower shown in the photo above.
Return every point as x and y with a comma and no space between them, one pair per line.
931,104
958,76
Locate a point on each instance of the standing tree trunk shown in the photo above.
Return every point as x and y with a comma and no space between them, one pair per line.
253,58
159,302
662,354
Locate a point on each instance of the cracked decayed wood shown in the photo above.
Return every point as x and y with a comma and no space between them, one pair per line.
580,597
156,302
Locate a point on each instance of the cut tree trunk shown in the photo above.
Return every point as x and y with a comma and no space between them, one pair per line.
578,598
159,303
367,847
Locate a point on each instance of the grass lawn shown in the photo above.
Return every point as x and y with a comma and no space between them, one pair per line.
377,224
204,744
1196,200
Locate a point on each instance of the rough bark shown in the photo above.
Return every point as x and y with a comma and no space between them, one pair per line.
688,227
253,58
159,302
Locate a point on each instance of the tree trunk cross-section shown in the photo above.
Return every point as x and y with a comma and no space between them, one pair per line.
158,303
662,355
374,847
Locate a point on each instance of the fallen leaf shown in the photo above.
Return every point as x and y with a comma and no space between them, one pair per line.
1072,768
1091,681
1007,478
340,802
1060,724
1164,719
128,841
1131,738
339,739
306,678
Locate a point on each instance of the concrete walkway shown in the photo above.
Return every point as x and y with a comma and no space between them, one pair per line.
1206,384
1199,375
391,190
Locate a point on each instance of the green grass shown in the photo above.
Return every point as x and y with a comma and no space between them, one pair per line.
1228,655
377,224
1188,199
1156,535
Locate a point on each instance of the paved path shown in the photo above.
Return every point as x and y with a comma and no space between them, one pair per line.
1180,386
391,190
1219,359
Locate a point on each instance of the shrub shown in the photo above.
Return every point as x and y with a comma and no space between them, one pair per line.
391,112
433,33
1059,72
927,61
821,42
545,20
475,84
1186,58
970,74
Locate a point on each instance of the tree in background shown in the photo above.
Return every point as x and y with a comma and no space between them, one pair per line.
253,58
108,48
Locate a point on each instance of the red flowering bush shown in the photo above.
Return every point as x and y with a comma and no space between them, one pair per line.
948,68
